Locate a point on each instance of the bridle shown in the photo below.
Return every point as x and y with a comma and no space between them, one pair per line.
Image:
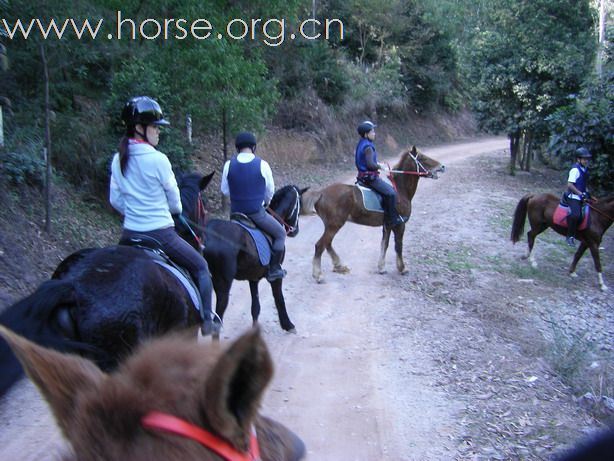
421,170
293,215
164,422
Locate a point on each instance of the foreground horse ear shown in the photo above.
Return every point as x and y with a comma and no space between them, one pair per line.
414,151
205,180
235,388
59,377
302,191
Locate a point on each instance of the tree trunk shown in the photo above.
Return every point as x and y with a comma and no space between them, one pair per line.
47,142
514,142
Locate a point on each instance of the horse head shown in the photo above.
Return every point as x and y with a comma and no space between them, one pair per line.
286,205
192,224
170,394
415,162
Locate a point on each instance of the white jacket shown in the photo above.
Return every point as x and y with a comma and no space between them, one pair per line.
148,194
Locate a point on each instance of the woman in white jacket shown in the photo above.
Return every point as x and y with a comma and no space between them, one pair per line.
144,190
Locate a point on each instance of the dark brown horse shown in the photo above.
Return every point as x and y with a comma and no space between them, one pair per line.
339,203
541,207
173,400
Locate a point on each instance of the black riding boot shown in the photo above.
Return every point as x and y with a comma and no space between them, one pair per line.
392,217
275,270
210,325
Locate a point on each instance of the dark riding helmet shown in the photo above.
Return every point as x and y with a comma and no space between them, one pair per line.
245,139
144,111
365,127
582,152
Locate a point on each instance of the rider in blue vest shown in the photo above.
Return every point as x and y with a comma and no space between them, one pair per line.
144,190
368,173
248,181
577,192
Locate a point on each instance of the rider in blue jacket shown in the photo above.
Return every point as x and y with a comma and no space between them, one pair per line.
577,192
368,173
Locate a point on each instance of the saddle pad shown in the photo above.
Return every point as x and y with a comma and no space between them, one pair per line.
560,216
187,284
263,246
371,200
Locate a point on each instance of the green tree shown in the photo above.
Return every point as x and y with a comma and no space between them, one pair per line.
533,55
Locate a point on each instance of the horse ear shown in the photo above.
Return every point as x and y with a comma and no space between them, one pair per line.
205,180
414,151
235,388
59,377
302,191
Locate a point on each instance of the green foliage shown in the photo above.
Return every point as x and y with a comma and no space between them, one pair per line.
525,64
587,121
21,168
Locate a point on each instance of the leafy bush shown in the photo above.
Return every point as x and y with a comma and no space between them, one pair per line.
588,121
22,168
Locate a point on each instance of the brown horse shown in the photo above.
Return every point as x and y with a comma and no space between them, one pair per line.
339,203
541,208
172,400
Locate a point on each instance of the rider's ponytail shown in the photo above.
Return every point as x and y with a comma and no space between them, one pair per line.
123,153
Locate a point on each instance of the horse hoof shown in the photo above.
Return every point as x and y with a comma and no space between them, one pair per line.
341,269
573,275
404,272
382,271
291,331
603,288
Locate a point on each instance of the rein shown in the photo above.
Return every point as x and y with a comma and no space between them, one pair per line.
600,212
163,422
289,228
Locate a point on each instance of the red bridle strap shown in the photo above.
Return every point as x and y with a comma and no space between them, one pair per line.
164,422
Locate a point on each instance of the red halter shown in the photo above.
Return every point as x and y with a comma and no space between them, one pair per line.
164,422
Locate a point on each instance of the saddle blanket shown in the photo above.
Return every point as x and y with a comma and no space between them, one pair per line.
371,200
187,283
263,245
560,216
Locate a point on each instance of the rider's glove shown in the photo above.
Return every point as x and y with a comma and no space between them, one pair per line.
585,196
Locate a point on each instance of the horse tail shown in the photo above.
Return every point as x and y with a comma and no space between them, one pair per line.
33,318
520,216
308,201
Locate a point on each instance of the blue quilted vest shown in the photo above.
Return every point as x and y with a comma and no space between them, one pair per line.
247,186
361,161
582,180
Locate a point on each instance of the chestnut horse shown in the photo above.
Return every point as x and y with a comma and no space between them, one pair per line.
339,203
173,400
541,207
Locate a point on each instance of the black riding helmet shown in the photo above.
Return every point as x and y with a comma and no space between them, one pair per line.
582,152
142,110
245,139
365,127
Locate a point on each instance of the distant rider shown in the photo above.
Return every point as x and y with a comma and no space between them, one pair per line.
368,173
144,190
248,180
577,192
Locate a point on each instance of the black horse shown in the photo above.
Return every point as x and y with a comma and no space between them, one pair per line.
232,254
102,302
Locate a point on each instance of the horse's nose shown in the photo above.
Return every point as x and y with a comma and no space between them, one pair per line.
442,169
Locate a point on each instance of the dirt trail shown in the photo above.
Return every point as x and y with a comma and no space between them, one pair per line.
363,379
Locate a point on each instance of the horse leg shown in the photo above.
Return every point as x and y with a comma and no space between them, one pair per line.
253,289
531,236
381,263
221,286
280,304
399,231
596,260
325,242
